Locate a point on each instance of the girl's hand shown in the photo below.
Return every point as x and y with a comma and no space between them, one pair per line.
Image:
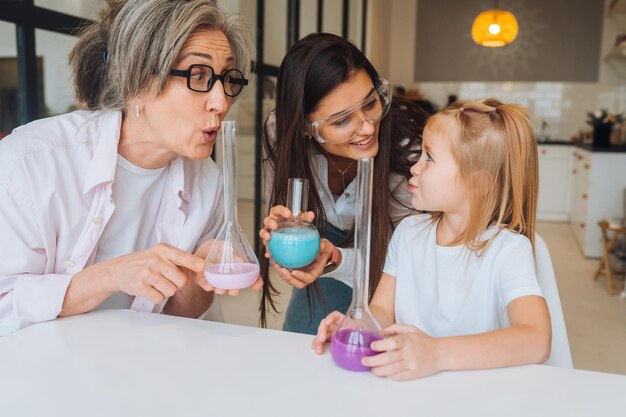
409,353
304,276
270,223
198,276
328,326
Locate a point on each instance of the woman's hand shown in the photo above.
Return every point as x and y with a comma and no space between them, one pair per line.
304,276
278,213
328,326
409,353
154,273
198,276
301,277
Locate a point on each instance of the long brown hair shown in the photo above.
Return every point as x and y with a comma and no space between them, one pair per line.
495,149
312,68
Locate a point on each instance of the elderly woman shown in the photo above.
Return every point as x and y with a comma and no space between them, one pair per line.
115,206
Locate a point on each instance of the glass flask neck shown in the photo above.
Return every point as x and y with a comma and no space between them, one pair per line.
297,196
362,233
229,169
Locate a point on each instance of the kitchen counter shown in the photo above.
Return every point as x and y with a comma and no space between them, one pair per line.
585,146
604,149
555,142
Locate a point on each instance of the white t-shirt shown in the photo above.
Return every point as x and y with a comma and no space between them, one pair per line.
450,291
131,227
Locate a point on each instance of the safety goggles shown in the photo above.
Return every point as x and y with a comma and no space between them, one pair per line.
346,125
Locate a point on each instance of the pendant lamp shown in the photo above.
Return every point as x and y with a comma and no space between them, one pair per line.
494,28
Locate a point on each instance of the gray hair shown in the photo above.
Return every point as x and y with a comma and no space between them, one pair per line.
136,41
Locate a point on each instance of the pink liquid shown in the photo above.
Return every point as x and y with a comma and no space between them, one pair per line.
231,276
349,346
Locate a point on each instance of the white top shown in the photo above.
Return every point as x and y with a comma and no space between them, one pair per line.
131,227
340,210
448,291
56,197
125,364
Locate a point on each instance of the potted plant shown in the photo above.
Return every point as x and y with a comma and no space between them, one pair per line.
602,123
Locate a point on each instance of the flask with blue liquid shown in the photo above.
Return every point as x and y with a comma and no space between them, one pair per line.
295,243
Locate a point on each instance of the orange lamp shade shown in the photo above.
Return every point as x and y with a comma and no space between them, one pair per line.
494,28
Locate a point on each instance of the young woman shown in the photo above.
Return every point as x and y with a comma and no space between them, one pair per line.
333,108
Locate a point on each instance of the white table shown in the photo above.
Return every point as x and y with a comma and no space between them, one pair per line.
120,363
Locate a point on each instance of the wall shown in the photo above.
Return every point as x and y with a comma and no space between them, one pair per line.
378,37
53,48
563,105
542,51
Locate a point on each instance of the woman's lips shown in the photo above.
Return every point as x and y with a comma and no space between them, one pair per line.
209,136
364,144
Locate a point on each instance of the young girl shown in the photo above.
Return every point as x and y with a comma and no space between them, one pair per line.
462,278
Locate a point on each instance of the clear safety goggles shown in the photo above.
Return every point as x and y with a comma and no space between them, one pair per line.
346,125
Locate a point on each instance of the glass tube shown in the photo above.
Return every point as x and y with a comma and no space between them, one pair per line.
231,263
351,342
295,243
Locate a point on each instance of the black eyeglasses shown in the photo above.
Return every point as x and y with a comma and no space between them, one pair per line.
202,78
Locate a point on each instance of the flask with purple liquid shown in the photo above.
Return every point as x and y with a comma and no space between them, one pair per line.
231,263
351,341
295,243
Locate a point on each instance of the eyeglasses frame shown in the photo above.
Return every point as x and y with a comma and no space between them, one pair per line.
215,77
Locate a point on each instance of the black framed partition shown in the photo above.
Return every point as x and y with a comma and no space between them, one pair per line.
26,27
28,18
303,17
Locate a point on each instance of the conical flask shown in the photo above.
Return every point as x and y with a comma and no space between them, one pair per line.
295,243
351,341
231,263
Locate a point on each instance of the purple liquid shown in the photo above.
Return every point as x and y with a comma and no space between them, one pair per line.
231,276
349,346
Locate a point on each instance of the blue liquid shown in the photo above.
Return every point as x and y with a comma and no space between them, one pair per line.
294,247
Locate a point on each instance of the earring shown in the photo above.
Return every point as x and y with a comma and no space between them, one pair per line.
137,111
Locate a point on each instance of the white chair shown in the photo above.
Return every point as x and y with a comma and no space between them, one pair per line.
560,355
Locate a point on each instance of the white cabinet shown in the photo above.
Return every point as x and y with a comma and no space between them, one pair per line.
581,166
598,183
553,203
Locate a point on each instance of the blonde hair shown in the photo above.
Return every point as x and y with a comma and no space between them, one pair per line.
495,149
118,59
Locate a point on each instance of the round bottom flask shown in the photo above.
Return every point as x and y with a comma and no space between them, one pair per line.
233,276
351,342
230,263
295,243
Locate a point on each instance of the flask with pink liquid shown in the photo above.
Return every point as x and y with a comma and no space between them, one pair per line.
231,263
351,341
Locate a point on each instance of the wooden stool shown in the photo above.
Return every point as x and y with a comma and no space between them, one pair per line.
609,235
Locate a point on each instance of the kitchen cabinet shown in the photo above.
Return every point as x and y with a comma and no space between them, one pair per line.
616,57
553,202
598,181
